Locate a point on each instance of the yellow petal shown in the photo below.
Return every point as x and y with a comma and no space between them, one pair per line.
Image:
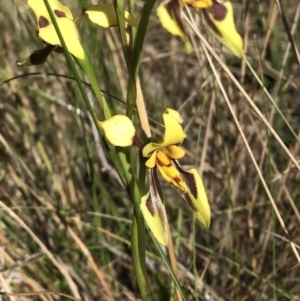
154,212
153,220
151,162
195,195
40,10
104,15
70,35
38,56
174,152
198,3
174,134
220,21
174,114
119,130
169,172
169,14
64,19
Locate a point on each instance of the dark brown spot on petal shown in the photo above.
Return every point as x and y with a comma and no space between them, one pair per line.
210,24
218,11
174,10
154,198
162,164
149,205
43,22
40,56
35,59
189,201
191,183
178,180
189,179
60,14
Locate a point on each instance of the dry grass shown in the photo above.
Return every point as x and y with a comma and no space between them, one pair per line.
64,218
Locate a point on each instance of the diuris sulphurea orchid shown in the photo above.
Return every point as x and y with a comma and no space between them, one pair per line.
102,14
220,21
169,14
162,155
46,31
218,16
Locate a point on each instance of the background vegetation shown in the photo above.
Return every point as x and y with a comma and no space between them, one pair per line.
65,220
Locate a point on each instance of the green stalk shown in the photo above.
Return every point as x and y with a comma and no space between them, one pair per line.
88,69
138,249
127,51
138,230
136,54
119,159
138,227
140,34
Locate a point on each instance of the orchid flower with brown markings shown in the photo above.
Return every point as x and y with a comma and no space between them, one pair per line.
162,155
218,15
102,14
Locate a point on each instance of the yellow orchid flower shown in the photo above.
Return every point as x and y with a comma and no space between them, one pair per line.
65,22
169,14
154,211
161,153
102,14
220,21
217,14
46,31
163,156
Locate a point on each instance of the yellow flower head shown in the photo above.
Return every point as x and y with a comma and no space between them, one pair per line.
217,14
169,14
174,135
64,20
103,15
162,155
220,21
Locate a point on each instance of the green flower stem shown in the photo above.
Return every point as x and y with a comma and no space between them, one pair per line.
141,34
127,51
120,12
88,69
138,227
138,250
132,54
121,161
136,54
